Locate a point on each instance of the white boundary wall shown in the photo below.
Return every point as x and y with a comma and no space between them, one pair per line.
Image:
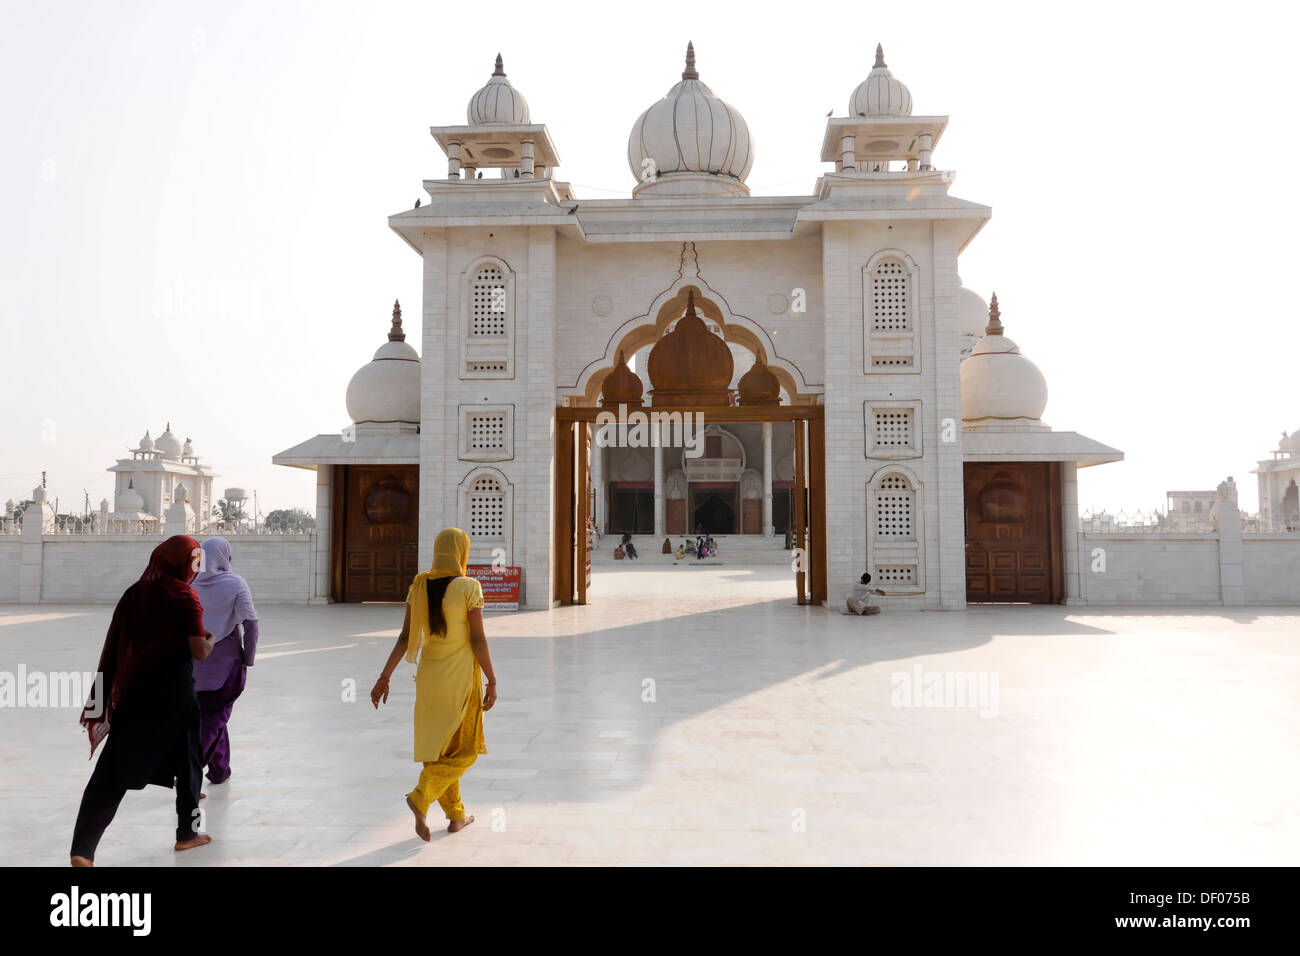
96,569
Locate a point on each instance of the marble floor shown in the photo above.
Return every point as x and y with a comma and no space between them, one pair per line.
696,715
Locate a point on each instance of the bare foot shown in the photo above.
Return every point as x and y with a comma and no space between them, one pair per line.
203,796
421,824
199,839
455,826
81,861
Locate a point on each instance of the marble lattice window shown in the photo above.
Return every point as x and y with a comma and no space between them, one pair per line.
488,320
895,538
487,509
892,428
487,432
895,574
894,508
889,323
890,297
488,303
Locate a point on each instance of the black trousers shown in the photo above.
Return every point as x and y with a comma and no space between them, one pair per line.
105,791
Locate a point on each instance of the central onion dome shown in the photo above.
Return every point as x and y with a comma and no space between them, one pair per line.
880,94
690,142
997,382
690,365
497,103
168,444
387,389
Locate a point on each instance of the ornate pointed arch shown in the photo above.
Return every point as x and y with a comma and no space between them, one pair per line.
669,306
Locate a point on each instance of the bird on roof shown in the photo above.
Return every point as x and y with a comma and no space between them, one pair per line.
417,202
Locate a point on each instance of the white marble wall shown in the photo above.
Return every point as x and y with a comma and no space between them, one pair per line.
95,569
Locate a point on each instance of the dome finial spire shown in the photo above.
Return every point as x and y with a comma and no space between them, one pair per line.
395,334
690,73
500,68
880,58
995,318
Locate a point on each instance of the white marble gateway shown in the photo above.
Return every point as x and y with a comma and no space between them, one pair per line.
851,294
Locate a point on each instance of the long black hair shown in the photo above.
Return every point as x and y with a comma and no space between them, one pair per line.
436,588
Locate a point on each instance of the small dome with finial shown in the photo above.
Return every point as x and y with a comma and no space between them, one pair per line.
622,386
387,389
690,142
146,443
188,450
759,386
997,381
129,501
497,102
880,94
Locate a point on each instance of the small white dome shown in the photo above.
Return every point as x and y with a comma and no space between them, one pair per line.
1291,444
130,501
168,444
146,443
997,381
972,316
188,450
387,389
880,94
695,142
497,102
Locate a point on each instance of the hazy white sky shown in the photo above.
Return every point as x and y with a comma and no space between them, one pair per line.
193,201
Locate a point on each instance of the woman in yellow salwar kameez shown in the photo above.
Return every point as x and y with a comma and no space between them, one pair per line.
444,629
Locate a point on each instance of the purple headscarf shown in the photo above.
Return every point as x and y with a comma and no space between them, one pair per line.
225,596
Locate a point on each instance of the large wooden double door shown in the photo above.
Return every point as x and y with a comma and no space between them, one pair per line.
377,509
1013,532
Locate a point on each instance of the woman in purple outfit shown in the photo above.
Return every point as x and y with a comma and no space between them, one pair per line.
219,680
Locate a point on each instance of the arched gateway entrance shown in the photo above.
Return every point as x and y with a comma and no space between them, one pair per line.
690,370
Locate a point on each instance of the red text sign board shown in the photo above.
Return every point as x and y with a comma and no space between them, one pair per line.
500,586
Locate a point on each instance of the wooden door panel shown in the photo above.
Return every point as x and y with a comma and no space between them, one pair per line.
1012,541
381,531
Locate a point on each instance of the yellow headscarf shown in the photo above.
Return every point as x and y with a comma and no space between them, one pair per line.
450,560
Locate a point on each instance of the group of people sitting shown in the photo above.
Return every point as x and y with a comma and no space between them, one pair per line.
702,547
625,549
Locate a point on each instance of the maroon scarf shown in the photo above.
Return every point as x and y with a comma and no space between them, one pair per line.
147,623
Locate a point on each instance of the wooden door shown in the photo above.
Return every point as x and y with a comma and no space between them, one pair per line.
380,532
1013,532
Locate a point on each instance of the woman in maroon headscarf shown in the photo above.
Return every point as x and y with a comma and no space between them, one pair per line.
146,699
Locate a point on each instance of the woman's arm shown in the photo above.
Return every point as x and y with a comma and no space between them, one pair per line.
478,643
249,649
200,647
380,691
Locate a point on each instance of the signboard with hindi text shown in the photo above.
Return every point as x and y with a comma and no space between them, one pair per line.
500,586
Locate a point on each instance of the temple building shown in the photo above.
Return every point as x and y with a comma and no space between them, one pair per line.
808,363
158,474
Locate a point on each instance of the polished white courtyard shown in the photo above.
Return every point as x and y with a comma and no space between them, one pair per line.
772,736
